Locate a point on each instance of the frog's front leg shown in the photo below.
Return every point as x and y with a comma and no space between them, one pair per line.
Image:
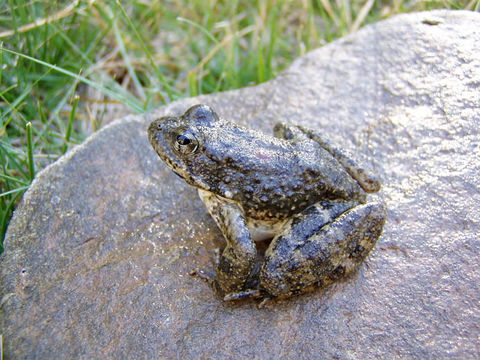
237,261
295,132
322,242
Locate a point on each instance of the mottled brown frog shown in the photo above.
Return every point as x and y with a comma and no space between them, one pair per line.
293,187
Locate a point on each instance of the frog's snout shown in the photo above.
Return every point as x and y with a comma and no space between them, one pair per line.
159,127
152,129
155,126
156,131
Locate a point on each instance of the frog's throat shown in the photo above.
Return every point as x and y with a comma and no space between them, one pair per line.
189,179
179,168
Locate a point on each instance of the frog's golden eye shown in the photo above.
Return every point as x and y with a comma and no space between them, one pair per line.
185,143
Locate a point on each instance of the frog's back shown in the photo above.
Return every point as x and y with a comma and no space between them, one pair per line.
271,177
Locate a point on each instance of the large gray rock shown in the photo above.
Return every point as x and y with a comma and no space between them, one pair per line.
97,254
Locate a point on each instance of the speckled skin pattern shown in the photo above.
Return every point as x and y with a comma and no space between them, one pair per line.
293,186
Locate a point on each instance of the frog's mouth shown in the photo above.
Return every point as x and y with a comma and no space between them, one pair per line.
194,181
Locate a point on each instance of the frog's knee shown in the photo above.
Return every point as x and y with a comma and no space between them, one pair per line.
377,211
371,218
360,228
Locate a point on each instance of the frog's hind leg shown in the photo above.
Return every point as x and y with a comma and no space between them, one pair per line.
314,248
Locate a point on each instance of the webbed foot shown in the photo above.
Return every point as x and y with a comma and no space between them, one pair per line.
240,295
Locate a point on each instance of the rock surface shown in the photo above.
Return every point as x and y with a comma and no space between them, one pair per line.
98,253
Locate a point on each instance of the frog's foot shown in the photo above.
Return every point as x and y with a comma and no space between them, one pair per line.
249,294
258,294
240,295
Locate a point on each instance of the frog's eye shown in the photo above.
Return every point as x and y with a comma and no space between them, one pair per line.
185,143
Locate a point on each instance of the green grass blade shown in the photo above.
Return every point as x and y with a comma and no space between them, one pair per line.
69,124
1,66
20,189
161,78
135,105
9,153
31,165
92,69
23,95
192,86
260,66
8,212
15,179
273,37
199,27
126,59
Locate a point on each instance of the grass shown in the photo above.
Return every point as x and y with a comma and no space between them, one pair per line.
144,54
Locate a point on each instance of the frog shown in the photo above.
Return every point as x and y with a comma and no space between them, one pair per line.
292,188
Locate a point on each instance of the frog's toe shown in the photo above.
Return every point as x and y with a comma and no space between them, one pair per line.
264,302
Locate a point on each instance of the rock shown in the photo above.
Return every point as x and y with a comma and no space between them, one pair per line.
97,255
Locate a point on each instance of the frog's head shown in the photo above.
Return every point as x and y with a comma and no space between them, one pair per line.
178,142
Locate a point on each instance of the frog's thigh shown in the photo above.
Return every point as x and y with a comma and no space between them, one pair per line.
298,258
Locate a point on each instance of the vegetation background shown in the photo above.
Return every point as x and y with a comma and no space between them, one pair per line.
145,53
